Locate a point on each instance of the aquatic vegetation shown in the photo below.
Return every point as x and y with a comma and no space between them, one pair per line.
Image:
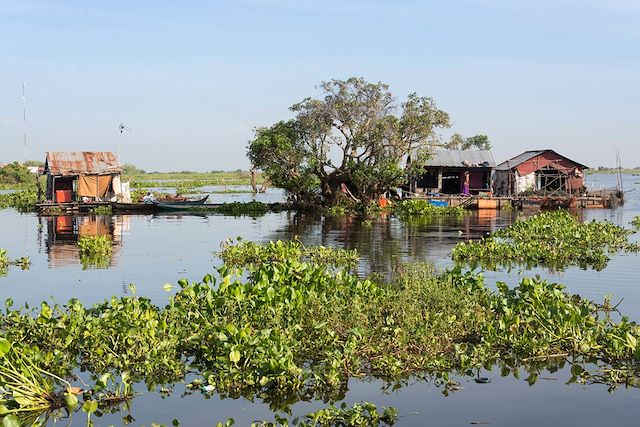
362,414
102,210
4,260
22,201
252,208
420,207
246,253
636,222
284,322
23,385
552,239
95,251
24,263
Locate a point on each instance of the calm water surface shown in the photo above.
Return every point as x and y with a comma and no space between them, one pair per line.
150,250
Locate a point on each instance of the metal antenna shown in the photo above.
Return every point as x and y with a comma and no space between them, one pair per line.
24,120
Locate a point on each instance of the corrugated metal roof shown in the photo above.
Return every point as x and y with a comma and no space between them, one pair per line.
527,155
520,158
461,158
81,163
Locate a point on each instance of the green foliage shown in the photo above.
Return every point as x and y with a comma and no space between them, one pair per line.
246,253
23,385
130,169
362,414
420,207
552,239
458,142
102,210
285,322
16,173
279,151
95,251
354,135
22,201
253,208
24,263
636,222
4,262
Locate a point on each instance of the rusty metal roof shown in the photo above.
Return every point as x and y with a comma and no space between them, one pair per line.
528,155
81,163
461,159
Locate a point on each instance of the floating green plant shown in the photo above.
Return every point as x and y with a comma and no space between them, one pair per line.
552,239
102,210
24,263
253,208
22,201
636,221
363,414
286,322
95,251
420,207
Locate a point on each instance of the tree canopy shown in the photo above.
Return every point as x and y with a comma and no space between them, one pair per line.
16,173
458,142
351,142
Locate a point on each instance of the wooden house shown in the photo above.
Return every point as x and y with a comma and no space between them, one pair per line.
542,172
81,176
445,170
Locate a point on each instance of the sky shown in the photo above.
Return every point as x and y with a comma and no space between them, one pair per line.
193,79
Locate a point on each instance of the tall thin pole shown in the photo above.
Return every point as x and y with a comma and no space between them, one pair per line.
24,120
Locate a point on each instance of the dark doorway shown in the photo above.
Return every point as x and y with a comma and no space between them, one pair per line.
450,182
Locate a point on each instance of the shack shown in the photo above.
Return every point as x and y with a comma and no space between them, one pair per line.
542,172
444,172
82,176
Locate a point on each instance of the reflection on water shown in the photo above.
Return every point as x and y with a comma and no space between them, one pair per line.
64,231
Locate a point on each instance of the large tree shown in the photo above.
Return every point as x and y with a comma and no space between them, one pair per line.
354,137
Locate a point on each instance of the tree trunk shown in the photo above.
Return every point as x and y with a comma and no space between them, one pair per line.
254,185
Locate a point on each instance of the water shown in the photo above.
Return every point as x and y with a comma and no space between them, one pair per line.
150,250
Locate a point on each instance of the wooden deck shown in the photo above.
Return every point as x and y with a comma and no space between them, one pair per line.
604,201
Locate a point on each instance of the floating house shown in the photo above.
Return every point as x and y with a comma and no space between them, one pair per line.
445,170
82,176
543,172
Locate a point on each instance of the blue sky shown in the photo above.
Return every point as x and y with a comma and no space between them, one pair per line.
192,79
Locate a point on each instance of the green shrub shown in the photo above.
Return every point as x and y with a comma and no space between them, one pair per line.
552,239
420,207
22,201
95,251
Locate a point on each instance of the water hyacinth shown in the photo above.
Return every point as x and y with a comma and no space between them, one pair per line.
95,251
24,263
22,201
420,207
285,323
552,239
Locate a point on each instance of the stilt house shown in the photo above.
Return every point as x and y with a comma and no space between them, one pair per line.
78,176
539,171
444,172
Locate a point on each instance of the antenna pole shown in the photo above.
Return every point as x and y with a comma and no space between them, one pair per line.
24,120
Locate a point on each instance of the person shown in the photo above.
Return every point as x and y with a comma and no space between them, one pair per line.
465,186
149,198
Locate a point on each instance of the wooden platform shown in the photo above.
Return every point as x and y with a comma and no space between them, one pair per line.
604,201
